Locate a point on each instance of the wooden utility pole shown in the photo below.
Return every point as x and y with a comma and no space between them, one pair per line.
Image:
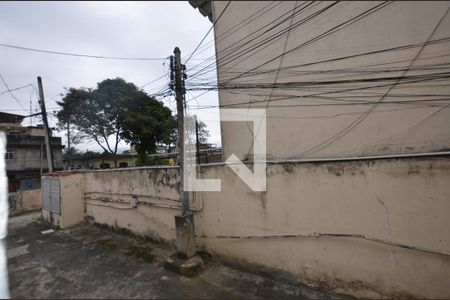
47,134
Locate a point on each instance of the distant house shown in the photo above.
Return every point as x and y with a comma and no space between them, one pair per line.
26,156
95,161
208,153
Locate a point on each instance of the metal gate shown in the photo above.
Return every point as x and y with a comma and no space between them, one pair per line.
51,196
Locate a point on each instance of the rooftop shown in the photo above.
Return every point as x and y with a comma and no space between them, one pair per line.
203,6
11,118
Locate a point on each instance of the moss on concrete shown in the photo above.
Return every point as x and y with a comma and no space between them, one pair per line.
140,252
108,244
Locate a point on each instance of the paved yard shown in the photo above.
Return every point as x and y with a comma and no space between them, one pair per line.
92,262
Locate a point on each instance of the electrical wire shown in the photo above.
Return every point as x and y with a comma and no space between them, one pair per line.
363,116
258,14
153,81
274,83
249,38
196,48
11,93
81,55
355,89
238,48
15,89
397,48
322,35
342,25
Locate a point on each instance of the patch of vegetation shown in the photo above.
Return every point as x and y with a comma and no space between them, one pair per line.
114,238
39,220
108,244
143,253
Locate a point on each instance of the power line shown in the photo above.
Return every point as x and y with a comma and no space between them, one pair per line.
363,116
193,52
80,55
398,48
239,26
239,52
322,35
231,57
320,96
275,81
16,89
300,85
153,81
26,109
10,92
239,49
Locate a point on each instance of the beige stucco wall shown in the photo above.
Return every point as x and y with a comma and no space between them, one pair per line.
72,190
52,217
396,200
72,187
154,186
31,199
24,201
404,201
329,131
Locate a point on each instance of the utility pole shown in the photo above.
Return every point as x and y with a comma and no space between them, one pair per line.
46,128
184,224
179,97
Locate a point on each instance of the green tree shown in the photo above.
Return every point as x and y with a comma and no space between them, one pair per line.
71,152
116,110
203,133
146,124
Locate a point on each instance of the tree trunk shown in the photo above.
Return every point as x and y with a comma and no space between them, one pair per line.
115,160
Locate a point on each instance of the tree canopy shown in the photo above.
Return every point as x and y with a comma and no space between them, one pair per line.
116,110
203,133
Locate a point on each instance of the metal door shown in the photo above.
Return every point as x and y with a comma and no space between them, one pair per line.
46,193
51,195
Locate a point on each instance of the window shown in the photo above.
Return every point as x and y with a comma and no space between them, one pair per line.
9,154
123,165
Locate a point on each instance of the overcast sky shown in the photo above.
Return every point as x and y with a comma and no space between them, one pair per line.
124,29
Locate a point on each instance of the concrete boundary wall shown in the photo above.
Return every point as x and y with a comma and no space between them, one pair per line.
405,201
24,201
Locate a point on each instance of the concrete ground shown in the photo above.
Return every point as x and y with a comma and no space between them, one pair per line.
92,262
